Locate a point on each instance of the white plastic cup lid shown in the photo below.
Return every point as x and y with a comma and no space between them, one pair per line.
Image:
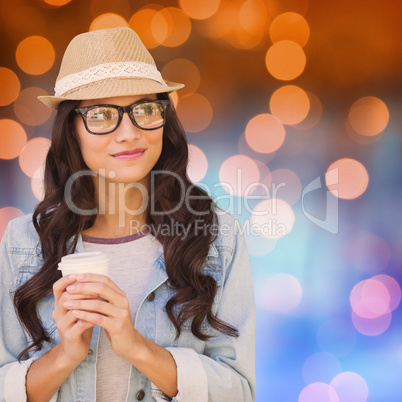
83,259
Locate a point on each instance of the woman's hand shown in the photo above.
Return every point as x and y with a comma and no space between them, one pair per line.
112,313
75,334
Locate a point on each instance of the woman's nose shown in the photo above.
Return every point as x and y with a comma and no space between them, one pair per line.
126,131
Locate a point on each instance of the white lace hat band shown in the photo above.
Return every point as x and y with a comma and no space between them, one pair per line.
127,69
106,63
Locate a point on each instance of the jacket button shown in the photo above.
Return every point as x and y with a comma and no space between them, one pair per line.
151,296
90,352
140,395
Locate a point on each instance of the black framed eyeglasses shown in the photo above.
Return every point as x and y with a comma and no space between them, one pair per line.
104,119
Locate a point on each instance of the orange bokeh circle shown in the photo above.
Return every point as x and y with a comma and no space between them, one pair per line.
314,113
221,23
12,139
239,175
57,3
108,20
290,26
37,183
6,214
197,163
195,112
29,109
33,155
265,133
35,55
139,22
184,71
176,27
347,178
290,104
369,116
9,86
285,60
273,218
199,10
254,17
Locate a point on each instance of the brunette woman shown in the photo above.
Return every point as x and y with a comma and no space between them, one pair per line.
175,319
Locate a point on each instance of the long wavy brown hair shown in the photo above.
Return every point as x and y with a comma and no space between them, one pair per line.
59,227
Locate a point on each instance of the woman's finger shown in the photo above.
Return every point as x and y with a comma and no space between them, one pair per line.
79,327
65,322
75,296
69,320
96,306
59,309
100,289
100,279
103,321
60,285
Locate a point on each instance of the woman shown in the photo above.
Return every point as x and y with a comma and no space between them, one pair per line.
176,318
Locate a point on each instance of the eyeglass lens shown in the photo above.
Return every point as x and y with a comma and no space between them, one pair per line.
102,119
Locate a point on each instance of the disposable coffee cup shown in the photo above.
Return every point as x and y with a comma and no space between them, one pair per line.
90,262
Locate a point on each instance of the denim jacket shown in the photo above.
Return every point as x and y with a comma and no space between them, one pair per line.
221,369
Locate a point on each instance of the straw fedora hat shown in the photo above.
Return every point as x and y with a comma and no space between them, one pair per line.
105,63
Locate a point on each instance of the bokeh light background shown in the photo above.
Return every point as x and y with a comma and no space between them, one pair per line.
302,97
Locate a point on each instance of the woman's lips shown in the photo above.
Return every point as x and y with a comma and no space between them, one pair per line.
129,156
